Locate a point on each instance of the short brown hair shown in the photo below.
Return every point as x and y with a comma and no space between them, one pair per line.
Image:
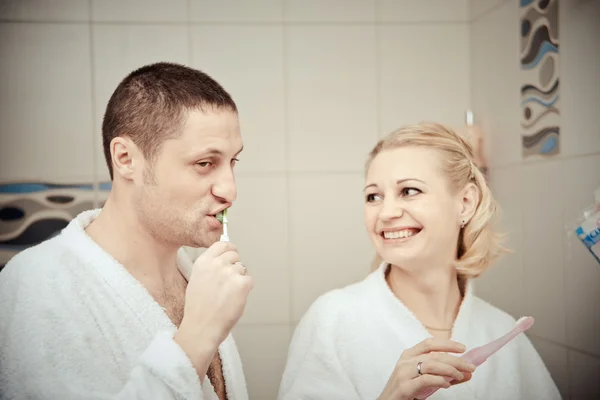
149,105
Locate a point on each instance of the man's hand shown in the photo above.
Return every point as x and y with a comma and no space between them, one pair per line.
214,302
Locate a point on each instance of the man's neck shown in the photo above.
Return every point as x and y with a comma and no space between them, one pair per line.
434,296
119,232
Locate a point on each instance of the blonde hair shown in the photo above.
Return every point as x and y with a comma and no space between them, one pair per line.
478,244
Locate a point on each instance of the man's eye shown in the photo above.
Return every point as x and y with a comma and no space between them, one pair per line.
204,164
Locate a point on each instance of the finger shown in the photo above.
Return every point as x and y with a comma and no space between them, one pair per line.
467,377
230,257
433,344
246,283
218,248
429,367
459,363
424,382
239,268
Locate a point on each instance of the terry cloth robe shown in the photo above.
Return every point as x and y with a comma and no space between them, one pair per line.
74,324
349,341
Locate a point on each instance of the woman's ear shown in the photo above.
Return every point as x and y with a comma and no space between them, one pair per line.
468,200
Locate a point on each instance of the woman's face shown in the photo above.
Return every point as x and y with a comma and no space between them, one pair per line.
411,214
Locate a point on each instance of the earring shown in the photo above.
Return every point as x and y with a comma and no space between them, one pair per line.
463,224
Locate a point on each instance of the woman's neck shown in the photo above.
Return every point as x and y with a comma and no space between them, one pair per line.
433,297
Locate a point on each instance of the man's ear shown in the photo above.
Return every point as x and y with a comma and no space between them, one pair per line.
124,157
468,198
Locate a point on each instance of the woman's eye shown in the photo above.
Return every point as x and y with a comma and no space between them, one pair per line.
234,161
410,191
204,164
372,197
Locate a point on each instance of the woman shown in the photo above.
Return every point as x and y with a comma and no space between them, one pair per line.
399,332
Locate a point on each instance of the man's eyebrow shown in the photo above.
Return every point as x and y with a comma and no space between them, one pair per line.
215,151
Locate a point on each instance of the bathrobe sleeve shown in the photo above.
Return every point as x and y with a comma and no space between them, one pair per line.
313,370
51,349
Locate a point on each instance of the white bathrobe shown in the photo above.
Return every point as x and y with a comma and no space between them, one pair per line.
349,341
74,324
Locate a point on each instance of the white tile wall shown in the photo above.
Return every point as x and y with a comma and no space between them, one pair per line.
495,83
259,227
422,10
329,246
46,113
40,10
253,75
556,359
331,96
584,371
412,87
580,95
502,284
236,11
559,277
140,11
542,249
263,349
480,7
329,11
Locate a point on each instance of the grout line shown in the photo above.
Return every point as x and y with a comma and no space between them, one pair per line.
257,324
565,246
260,173
488,11
47,22
233,22
96,174
287,173
525,163
378,80
569,382
326,172
566,346
336,23
189,30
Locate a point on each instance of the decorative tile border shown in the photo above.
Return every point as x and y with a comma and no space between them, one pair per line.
539,77
31,212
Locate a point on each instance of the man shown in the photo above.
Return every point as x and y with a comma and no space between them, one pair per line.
111,308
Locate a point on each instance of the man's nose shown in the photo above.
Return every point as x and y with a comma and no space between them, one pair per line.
225,187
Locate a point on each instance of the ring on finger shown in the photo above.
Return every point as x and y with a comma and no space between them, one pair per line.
419,368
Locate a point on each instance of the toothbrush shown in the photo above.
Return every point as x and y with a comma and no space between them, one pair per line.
223,218
479,355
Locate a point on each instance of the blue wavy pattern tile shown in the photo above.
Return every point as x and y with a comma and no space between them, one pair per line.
539,61
31,212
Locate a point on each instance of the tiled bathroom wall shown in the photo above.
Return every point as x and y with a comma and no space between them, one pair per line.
316,82
549,275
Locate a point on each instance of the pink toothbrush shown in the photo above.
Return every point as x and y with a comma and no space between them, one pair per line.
479,355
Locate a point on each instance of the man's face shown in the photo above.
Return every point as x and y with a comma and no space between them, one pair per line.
191,180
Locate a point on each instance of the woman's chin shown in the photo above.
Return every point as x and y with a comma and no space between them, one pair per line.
406,256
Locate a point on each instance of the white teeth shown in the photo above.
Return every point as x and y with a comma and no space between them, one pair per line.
399,234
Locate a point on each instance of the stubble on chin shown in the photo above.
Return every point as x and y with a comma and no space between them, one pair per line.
202,237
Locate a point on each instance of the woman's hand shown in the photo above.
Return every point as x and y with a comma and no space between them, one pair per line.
427,366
